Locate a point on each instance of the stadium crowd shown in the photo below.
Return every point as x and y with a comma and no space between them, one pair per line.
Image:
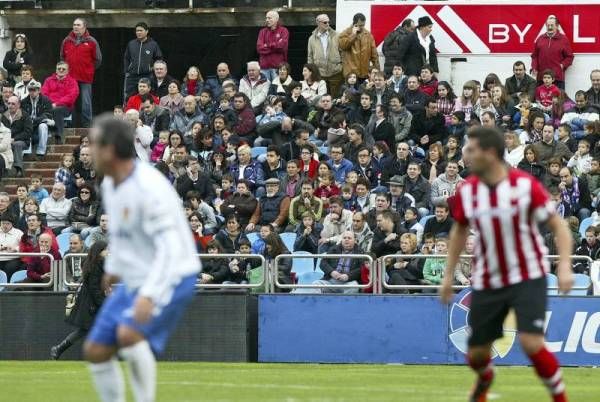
347,156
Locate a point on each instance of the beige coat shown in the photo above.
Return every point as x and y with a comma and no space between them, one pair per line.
5,146
329,64
358,52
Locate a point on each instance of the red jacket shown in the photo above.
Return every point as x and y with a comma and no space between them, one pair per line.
313,168
429,88
83,56
38,266
550,52
61,92
544,95
135,102
26,246
272,46
246,122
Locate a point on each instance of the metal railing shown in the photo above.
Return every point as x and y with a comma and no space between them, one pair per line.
63,269
386,285
263,282
364,257
53,271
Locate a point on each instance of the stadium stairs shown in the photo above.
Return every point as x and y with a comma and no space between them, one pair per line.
46,166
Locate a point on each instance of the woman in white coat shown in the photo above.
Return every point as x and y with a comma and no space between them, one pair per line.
313,87
513,153
6,153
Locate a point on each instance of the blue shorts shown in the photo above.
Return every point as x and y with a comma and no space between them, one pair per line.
117,310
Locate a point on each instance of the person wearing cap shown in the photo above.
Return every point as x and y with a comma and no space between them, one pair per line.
140,55
359,51
399,200
419,48
10,238
272,209
39,109
324,51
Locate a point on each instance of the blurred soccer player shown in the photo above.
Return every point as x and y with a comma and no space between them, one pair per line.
151,253
504,206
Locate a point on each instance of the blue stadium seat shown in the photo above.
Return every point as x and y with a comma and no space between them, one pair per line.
63,242
18,276
552,285
309,277
288,239
586,223
252,237
302,265
424,219
583,282
3,279
256,151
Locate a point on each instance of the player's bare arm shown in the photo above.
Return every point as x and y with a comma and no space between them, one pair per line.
564,244
458,237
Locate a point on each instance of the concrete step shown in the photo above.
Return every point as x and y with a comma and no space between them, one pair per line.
53,157
44,172
64,149
41,165
77,131
73,140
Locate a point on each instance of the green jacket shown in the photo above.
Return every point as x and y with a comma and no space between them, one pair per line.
433,271
297,208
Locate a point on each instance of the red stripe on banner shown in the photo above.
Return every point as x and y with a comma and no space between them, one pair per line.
451,34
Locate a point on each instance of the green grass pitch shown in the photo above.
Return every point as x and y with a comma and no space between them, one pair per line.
214,382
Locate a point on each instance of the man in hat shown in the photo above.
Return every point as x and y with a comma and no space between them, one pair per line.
419,49
9,243
400,201
272,209
39,108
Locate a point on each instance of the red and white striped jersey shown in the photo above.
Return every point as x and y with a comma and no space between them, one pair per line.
509,247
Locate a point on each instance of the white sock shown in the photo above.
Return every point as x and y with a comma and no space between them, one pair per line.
142,369
108,379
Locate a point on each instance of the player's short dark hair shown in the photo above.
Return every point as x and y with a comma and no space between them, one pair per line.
116,132
488,138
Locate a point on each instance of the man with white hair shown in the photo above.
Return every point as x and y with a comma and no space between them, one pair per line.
272,45
143,135
256,86
324,51
56,208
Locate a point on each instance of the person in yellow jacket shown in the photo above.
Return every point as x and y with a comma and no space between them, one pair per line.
359,51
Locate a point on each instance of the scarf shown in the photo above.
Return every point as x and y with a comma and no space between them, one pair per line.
534,136
191,86
571,198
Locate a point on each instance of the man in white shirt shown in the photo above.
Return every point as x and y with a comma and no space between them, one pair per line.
143,135
9,243
56,208
152,253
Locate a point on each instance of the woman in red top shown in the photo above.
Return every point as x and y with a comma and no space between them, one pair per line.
192,83
327,189
308,165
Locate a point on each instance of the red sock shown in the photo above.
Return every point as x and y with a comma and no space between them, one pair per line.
483,368
548,370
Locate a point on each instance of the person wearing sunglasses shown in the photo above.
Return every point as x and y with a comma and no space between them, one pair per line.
19,55
324,51
83,210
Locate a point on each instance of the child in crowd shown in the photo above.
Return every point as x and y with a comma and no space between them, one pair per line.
308,233
446,101
160,146
348,197
428,246
35,188
573,223
462,275
452,150
258,247
206,211
226,110
581,160
458,125
429,84
552,176
545,92
118,111
206,104
524,108
468,99
564,135
352,178
351,84
64,174
433,271
397,81
327,189
411,223
239,267
593,180
214,270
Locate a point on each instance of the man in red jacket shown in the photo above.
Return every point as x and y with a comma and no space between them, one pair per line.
135,101
82,52
552,51
62,89
272,45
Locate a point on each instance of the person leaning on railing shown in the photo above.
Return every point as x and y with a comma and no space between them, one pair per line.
39,269
9,243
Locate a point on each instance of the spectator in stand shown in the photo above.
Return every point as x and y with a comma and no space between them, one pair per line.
33,230
84,170
484,105
356,141
514,151
488,119
379,127
143,135
31,206
380,92
359,51
397,164
10,237
338,164
363,112
581,161
193,83
230,236
552,50
590,247
246,121
6,153
545,92
7,92
99,233
21,128
414,98
392,44
280,85
399,117
255,85
35,188
313,87
581,114
575,194
62,90
82,52
16,207
26,77
433,270
419,49
272,209
296,106
56,208
444,186
504,107
156,117
74,270
550,148
184,120
469,98
593,93
441,223
19,55
324,52
531,162
272,45
39,269
429,84
417,186
140,55
305,202
39,109
249,170
386,236
83,210
291,183
399,200
520,82
215,83
134,102
446,100
428,126
273,167
342,271
308,233
173,101
159,79
382,203
195,180
322,119
241,202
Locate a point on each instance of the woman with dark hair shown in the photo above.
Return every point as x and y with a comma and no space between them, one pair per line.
229,237
446,100
313,87
241,203
203,144
381,155
30,207
175,139
535,125
19,54
83,210
173,100
505,107
531,164
379,127
490,81
84,141
214,270
281,84
217,166
307,164
273,247
197,226
434,163
88,299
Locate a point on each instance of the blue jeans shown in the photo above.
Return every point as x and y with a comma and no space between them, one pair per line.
41,139
85,95
270,73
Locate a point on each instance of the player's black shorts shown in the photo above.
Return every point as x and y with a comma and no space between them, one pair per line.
489,308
